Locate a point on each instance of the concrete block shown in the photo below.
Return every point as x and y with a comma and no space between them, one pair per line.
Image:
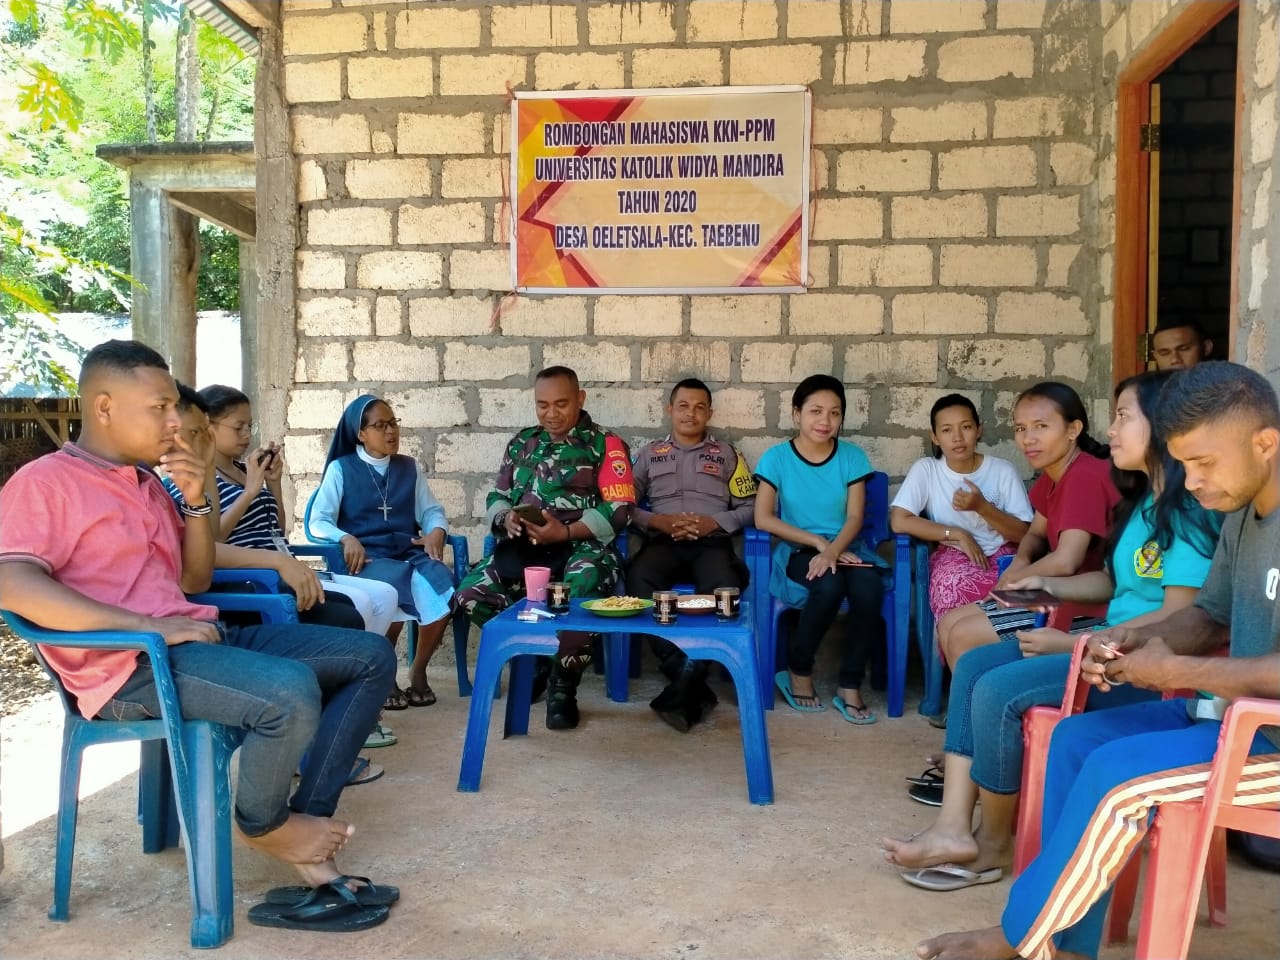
1036,117
1040,313
507,407
435,26
909,407
971,59
883,171
718,20
893,265
1071,362
987,265
979,168
438,133
382,142
744,316
618,408
389,178
1041,215
791,63
1020,14
1062,257
990,360
822,18
473,362
321,271
545,317
479,270
598,362
964,215
875,61
670,360
537,25
441,223
638,316
893,455
472,178
490,74
1262,128
317,81
1266,54
400,270
845,125
374,78
391,360
628,23
577,71
306,455
836,314
311,409
388,317
939,314
311,182
335,317
784,362
381,31
736,408
322,362
1071,164
469,453
937,16
669,67
819,265
450,316
848,218
345,133
349,227
452,495
327,33
946,121
891,361
430,407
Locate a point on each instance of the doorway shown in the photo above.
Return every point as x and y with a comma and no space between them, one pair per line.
1177,185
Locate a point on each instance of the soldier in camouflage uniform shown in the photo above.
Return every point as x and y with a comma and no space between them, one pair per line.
579,476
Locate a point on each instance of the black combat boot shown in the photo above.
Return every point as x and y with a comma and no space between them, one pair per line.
562,691
685,703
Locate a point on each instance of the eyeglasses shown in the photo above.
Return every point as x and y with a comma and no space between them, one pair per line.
245,428
382,426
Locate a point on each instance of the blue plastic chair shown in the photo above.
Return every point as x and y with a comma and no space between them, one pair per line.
461,561
875,530
184,782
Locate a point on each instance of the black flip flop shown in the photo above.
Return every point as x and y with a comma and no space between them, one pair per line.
930,796
330,908
932,777
367,893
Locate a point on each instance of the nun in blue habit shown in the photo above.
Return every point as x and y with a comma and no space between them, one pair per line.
376,503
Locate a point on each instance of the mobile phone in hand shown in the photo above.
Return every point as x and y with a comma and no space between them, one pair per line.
530,514
266,457
1025,598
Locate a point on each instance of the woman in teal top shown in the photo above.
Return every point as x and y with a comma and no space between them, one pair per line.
811,495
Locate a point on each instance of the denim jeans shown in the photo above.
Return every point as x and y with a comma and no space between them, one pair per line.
863,629
293,688
991,688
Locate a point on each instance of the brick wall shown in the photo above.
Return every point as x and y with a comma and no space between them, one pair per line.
954,241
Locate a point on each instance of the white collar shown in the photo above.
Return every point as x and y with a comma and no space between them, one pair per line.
368,458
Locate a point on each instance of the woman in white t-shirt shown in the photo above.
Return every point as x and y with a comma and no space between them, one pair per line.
972,505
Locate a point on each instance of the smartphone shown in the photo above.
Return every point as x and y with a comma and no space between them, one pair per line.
1025,598
266,457
853,563
530,514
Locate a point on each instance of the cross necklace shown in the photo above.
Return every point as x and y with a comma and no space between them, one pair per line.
382,494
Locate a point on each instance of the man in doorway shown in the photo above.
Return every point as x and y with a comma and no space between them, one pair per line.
1108,769
575,477
700,492
1179,345
89,540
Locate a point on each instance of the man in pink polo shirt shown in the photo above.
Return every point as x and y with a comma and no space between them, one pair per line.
90,540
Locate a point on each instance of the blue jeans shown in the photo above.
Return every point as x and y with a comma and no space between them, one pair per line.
294,688
991,688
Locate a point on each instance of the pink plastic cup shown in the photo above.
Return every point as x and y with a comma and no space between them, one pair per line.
535,583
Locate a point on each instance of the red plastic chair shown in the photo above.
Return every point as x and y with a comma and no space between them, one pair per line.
1172,891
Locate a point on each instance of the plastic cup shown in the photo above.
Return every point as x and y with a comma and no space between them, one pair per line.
535,583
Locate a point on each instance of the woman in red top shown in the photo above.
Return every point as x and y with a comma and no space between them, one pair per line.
1072,498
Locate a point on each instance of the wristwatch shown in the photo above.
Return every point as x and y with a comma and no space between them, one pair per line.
198,509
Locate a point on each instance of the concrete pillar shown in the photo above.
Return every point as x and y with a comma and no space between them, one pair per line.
249,320
164,259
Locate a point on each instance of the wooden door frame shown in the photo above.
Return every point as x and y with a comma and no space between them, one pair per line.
1133,170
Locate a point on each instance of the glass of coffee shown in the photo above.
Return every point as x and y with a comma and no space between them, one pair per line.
664,606
728,603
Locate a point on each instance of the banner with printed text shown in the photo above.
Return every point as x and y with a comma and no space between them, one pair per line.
660,190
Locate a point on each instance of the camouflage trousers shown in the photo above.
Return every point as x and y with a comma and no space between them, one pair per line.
591,569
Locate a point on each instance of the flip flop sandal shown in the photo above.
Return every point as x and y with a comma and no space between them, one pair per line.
367,893
850,712
396,700
422,696
364,772
946,877
932,777
380,736
330,908
928,794
783,682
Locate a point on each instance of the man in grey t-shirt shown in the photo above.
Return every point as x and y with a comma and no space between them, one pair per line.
1108,769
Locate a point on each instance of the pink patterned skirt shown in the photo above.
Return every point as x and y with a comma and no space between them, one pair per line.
954,580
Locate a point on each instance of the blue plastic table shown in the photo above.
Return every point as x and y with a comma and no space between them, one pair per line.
504,638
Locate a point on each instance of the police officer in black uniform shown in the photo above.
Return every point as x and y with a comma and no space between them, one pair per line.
694,493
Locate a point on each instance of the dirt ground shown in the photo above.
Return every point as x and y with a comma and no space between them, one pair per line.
623,839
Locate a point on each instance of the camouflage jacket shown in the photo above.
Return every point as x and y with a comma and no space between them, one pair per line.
586,476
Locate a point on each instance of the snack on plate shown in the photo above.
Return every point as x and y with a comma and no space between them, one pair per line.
696,603
620,603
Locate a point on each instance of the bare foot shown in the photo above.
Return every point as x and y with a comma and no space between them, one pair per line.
988,944
935,759
304,839
802,690
930,848
314,874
